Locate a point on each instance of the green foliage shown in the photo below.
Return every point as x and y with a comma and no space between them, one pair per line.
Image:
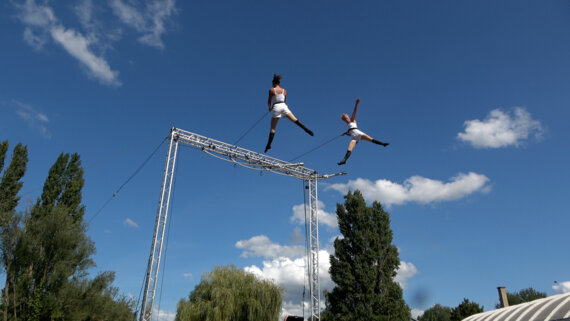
524,295
465,309
10,184
46,251
436,313
227,293
364,265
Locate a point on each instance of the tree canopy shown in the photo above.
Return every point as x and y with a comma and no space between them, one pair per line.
364,265
522,296
227,293
46,251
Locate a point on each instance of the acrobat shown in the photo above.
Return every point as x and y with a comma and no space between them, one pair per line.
355,133
277,105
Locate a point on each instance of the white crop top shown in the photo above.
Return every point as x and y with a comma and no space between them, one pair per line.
278,98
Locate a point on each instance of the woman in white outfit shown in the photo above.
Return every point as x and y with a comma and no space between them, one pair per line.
355,133
276,104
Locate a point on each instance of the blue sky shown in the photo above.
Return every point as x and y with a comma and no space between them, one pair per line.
472,95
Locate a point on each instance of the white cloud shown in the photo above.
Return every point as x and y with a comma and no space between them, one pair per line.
148,21
34,118
43,19
416,313
261,246
416,189
325,218
501,129
78,46
131,223
290,272
187,275
405,272
563,287
34,40
161,315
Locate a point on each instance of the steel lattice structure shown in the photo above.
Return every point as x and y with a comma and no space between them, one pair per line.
242,157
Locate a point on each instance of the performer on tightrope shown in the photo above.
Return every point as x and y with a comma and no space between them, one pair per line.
276,103
355,133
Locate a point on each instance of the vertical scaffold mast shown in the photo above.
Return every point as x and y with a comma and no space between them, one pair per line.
242,157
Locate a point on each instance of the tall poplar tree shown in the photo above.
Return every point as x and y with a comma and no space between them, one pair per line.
11,184
364,265
10,229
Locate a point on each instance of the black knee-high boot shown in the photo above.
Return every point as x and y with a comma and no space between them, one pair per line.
300,124
342,162
375,141
268,146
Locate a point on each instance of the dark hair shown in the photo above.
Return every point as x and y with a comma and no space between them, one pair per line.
276,79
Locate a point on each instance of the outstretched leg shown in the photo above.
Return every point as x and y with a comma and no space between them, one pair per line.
375,141
299,123
348,152
274,122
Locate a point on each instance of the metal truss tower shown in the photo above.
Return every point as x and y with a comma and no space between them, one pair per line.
248,159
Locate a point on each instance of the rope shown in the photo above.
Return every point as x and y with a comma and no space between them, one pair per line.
250,128
128,180
314,149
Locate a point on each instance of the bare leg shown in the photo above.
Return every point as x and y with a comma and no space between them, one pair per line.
274,122
375,141
294,119
348,152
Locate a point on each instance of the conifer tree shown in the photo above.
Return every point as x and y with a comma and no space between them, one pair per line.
364,265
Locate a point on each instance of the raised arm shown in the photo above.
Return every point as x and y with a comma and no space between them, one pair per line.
353,118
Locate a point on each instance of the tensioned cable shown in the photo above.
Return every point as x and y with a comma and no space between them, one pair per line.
250,128
314,149
91,165
128,180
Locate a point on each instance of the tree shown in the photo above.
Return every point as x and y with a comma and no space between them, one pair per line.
10,184
364,266
436,313
524,295
46,272
227,293
10,230
465,309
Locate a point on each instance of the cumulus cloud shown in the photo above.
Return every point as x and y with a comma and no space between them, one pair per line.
34,118
406,271
501,129
131,223
416,189
150,20
325,218
261,246
290,272
562,287
40,21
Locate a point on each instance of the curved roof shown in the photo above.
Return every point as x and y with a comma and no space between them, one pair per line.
552,308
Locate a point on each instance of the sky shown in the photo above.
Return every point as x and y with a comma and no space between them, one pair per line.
473,97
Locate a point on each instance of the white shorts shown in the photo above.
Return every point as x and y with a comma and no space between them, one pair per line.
280,109
356,134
